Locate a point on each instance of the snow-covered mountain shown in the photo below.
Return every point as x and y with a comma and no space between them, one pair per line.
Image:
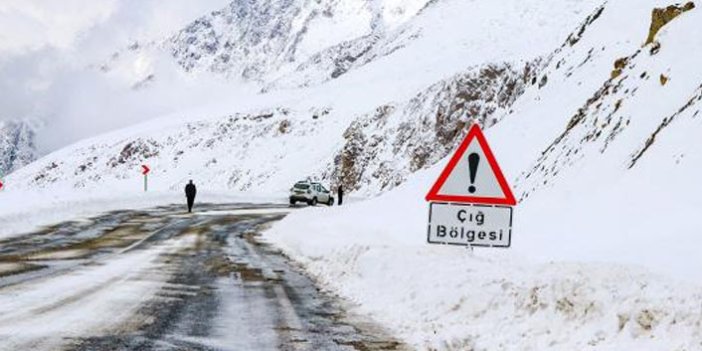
263,40
371,134
270,149
559,86
384,96
605,154
17,148
585,101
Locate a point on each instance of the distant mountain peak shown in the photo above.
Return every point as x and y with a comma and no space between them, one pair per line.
17,147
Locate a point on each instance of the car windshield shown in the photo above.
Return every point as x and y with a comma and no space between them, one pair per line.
302,186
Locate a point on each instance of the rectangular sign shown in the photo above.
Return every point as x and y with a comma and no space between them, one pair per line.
470,225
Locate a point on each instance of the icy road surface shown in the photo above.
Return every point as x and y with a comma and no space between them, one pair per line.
162,279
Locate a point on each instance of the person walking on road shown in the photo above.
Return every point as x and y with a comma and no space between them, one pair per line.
340,194
190,192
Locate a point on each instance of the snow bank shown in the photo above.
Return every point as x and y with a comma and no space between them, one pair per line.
605,162
375,254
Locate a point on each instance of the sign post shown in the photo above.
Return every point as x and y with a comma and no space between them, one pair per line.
145,171
471,204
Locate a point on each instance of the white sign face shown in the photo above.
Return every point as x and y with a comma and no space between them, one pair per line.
470,225
473,175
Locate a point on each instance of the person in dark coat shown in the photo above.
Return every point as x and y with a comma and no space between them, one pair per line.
190,192
340,194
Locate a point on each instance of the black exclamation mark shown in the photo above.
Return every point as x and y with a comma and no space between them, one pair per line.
473,161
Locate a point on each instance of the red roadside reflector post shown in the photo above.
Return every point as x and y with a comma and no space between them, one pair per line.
145,171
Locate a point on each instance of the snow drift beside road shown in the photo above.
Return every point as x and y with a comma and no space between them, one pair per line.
375,255
605,158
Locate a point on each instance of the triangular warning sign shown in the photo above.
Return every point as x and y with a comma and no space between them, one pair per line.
472,175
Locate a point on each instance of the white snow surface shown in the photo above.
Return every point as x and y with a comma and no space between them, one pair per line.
264,142
604,252
16,145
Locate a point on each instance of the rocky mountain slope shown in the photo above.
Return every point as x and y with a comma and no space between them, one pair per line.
646,82
264,40
270,149
572,92
386,95
604,153
17,147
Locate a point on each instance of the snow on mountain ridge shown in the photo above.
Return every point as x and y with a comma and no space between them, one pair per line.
258,41
604,151
296,44
327,122
613,110
384,147
270,149
17,147
252,39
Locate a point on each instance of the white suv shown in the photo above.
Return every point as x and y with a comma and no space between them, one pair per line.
311,193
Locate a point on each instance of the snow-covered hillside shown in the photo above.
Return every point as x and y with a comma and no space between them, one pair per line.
261,40
302,43
269,149
17,147
360,129
604,154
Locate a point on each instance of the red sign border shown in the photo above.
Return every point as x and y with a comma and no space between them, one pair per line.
473,133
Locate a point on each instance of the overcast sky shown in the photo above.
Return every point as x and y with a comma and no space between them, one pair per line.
102,25
45,46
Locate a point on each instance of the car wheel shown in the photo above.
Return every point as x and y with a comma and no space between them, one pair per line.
314,202
330,202
293,202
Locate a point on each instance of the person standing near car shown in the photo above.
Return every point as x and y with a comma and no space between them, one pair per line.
340,194
190,192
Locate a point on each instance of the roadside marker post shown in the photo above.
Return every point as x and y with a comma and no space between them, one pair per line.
145,171
471,203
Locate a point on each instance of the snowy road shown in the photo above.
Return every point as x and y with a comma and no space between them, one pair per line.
162,280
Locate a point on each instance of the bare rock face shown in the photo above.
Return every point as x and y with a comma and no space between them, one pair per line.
274,42
376,151
17,147
250,39
662,16
135,152
396,140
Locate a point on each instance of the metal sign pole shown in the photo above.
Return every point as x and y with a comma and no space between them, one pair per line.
146,182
